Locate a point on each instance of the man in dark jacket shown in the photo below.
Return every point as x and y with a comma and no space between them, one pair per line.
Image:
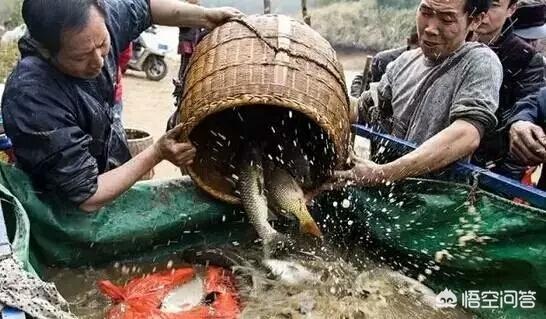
523,75
58,102
527,137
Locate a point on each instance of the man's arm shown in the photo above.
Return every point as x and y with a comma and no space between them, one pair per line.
129,18
112,184
178,13
527,138
455,142
529,109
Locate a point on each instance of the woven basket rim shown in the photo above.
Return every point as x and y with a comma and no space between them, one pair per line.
227,104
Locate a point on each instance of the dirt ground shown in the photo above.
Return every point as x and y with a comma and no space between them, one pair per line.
148,104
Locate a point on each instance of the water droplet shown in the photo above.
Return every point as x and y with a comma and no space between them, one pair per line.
345,203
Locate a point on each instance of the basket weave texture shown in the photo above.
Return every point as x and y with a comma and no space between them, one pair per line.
270,60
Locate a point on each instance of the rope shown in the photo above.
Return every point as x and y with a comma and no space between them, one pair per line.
242,21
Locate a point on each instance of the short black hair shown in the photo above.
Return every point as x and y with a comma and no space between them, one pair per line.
48,19
512,2
476,7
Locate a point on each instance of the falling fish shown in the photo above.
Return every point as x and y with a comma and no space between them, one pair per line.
262,185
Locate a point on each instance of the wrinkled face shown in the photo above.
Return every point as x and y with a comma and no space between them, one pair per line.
82,52
442,26
495,18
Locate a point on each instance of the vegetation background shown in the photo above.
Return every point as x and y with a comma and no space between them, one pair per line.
369,25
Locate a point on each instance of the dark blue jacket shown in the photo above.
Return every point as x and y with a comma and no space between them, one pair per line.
62,128
531,109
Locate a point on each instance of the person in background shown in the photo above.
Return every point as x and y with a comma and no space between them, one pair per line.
441,96
124,58
529,23
380,62
527,132
187,40
523,74
58,101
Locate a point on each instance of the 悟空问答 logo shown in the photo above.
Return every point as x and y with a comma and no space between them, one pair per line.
446,299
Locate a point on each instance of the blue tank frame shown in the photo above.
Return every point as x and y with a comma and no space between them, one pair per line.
495,183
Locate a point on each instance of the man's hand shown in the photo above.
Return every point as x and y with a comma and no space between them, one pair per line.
218,16
528,143
168,147
363,173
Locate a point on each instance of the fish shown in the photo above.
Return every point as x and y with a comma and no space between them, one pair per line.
290,272
264,185
185,297
286,197
251,187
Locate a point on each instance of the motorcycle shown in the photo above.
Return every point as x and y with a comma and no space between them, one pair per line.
149,55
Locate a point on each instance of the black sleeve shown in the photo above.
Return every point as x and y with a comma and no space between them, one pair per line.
531,79
526,93
48,143
127,19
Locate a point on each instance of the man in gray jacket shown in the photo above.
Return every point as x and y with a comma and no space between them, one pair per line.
441,96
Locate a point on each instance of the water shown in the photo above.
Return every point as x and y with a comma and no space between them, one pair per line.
311,281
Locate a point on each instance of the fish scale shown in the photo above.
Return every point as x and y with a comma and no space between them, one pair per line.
252,191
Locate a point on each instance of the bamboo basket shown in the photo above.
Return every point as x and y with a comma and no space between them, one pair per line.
138,141
253,71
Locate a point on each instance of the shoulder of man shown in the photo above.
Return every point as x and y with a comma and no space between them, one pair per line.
126,20
515,54
480,54
31,73
34,79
